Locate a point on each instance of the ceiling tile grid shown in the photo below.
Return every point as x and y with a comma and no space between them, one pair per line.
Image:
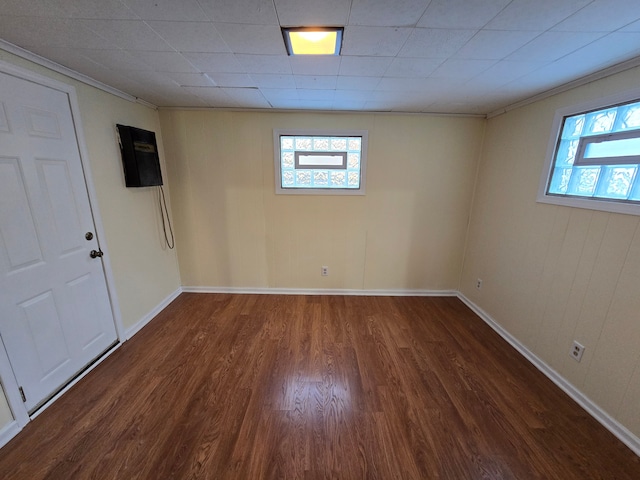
444,56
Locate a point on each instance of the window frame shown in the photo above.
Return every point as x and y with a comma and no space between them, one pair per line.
591,203
307,132
584,142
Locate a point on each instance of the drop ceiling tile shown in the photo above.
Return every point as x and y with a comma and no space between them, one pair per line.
460,108
536,15
184,10
213,96
296,13
264,63
256,12
274,94
315,65
155,80
632,27
413,67
97,9
191,36
404,84
435,43
456,70
191,79
37,8
379,105
126,85
348,105
357,83
601,16
608,50
59,32
214,62
324,95
271,80
181,99
302,104
116,60
552,45
235,80
383,13
73,58
494,44
366,66
461,14
253,39
374,41
165,61
505,71
543,79
354,95
247,97
315,82
128,34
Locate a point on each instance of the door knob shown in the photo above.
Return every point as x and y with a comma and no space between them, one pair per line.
96,253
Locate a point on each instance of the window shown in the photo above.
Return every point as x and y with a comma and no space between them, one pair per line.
593,160
320,161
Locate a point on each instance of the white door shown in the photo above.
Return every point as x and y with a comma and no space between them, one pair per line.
55,314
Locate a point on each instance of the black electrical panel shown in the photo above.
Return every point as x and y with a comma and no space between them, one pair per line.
139,157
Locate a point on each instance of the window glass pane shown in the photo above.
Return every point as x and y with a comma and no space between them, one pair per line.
627,147
560,181
629,117
338,144
605,167
320,178
288,178
320,162
618,181
338,179
600,122
583,181
573,126
355,144
567,152
286,143
321,144
302,143
287,160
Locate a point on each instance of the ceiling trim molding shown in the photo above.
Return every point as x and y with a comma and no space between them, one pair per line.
324,112
600,74
56,67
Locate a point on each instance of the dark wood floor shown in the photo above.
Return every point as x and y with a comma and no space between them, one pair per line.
257,386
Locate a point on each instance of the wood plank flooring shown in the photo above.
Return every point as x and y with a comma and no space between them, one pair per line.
315,387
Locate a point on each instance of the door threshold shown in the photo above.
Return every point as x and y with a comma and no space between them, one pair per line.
79,376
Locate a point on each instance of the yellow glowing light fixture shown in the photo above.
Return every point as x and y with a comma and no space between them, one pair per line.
313,41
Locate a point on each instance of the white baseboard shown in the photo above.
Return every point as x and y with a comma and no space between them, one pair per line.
321,291
611,424
9,431
131,331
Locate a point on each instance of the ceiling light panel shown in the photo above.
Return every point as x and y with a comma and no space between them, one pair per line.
313,40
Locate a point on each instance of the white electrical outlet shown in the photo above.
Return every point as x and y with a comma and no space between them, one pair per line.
576,351
325,271
479,283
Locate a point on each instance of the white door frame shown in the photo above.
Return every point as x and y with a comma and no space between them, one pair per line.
7,376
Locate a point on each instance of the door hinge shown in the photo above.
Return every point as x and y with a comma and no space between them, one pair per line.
24,397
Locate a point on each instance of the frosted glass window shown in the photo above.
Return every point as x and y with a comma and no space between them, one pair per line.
596,158
320,162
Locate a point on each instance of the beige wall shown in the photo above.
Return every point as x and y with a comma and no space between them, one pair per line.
407,232
554,274
144,271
